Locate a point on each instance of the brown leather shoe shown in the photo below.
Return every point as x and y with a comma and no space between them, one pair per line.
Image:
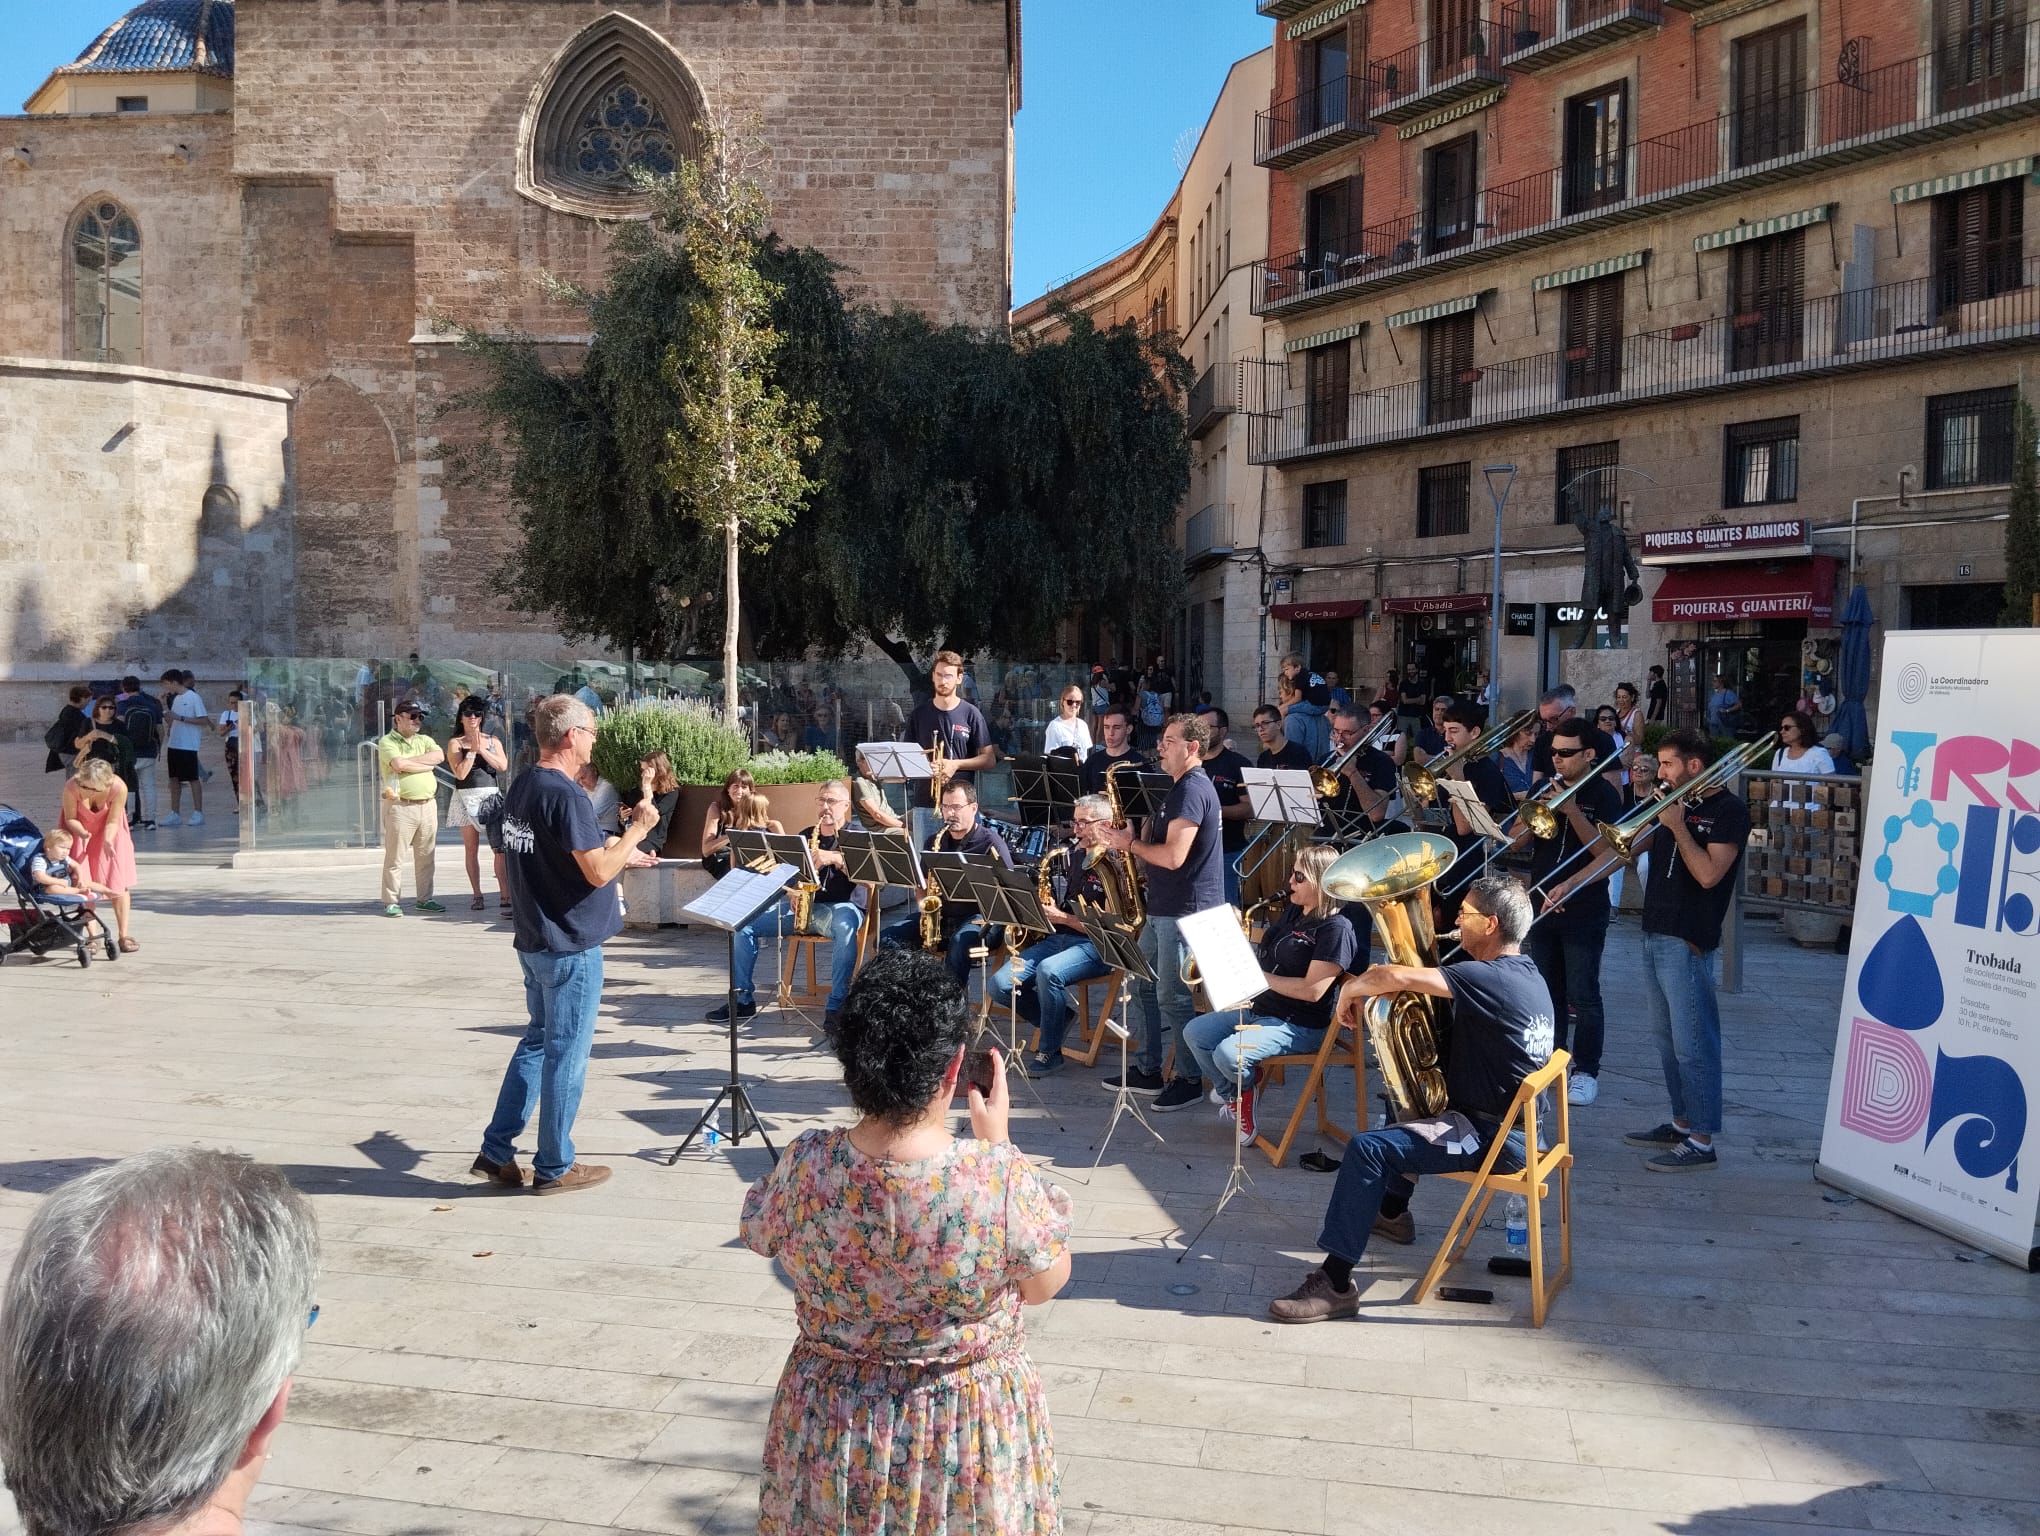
580,1176
1315,1301
507,1174
1397,1229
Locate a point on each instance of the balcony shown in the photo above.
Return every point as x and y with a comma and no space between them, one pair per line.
1449,66
1894,323
1207,536
1312,123
1536,34
1913,101
1213,397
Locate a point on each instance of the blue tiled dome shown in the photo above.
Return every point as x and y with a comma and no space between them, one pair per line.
164,35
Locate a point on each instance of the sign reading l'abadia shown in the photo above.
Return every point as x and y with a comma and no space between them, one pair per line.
1938,1056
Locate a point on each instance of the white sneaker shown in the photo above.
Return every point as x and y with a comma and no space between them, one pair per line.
198,818
1582,1088
172,820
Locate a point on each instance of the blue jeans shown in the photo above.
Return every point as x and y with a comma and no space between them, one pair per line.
1047,971
1687,1022
1221,1054
906,934
550,1063
841,920
1567,948
772,921
1390,1160
1163,999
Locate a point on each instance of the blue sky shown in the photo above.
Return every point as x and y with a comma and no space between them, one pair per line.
1113,89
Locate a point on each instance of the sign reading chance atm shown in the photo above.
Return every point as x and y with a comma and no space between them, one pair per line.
1726,541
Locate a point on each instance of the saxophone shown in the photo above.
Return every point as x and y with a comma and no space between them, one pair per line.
804,893
1044,888
1392,877
931,908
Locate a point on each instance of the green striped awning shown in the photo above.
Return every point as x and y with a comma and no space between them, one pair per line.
2004,170
1453,113
1591,269
1325,338
1438,311
1322,17
1736,234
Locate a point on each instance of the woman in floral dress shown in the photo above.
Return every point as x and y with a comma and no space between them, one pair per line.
909,1404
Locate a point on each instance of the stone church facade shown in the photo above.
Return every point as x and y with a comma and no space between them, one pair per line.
231,236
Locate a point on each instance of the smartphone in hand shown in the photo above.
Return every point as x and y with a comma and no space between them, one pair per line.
979,1070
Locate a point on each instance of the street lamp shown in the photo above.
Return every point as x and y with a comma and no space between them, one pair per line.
1499,477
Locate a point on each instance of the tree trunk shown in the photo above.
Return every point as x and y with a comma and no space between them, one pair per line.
902,656
730,616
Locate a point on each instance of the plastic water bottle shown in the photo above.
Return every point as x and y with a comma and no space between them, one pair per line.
713,1137
1517,1225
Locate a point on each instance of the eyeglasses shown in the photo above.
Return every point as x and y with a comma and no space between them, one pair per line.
1088,821
1570,751
1298,877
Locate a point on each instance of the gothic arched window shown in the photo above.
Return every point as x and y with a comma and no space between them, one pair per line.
105,255
614,101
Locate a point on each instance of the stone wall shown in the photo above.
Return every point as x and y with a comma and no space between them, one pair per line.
145,523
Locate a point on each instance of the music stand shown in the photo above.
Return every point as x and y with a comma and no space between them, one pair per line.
730,903
965,878
895,761
1147,793
1118,945
1232,978
876,860
1009,897
1046,788
755,848
1282,799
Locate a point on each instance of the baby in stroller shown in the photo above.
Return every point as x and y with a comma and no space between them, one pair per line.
53,896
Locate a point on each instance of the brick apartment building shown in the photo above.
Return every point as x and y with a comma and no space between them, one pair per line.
229,234
1751,275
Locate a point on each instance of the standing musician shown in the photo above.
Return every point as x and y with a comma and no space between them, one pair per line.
1369,794
1461,725
953,723
1277,750
1501,1033
1183,857
1115,731
960,832
1222,765
1696,851
1567,945
1394,743
1049,967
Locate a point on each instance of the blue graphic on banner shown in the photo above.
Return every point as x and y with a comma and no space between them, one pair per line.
1900,984
1985,1094
1912,744
1979,852
1946,836
2017,892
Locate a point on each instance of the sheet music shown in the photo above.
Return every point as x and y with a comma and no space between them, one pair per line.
737,895
1463,795
1231,969
1280,794
895,760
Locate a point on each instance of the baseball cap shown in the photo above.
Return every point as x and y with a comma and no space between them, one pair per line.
410,707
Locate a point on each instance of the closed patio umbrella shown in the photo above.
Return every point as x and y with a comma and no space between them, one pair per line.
1850,722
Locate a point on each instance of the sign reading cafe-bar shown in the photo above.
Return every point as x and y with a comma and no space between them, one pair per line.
1725,541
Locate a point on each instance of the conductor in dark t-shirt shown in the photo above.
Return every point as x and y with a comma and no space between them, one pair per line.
561,871
1183,858
953,723
1501,1033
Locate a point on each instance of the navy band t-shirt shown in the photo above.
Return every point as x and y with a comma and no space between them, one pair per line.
1223,769
546,817
1501,1032
1292,944
1199,883
1599,801
1673,901
961,731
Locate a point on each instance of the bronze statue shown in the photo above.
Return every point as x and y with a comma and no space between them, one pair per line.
1612,578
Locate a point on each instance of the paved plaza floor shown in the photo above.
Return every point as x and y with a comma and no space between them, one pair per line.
1743,1351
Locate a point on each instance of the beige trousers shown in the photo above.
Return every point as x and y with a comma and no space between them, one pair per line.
413,824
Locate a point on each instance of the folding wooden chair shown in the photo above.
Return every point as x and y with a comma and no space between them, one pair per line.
796,945
1095,1000
1533,1182
1341,1042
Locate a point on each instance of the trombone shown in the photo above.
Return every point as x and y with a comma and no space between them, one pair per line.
1623,836
1541,815
1420,780
1325,777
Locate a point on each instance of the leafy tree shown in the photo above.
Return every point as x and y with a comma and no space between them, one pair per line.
2022,526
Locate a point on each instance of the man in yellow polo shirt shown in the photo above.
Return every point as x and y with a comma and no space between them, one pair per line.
410,805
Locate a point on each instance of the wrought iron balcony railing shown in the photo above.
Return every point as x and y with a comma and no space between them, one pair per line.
1213,397
1890,323
1313,122
1452,63
1929,96
1536,34
1207,534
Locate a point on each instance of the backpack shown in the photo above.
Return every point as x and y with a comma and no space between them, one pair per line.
140,724
53,738
1150,707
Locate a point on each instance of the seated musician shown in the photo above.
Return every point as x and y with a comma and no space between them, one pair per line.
1463,723
1303,954
838,910
1050,966
1115,731
1501,1033
960,832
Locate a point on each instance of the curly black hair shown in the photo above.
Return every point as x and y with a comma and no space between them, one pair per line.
903,1023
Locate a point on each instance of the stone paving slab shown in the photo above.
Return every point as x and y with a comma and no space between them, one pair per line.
1740,1352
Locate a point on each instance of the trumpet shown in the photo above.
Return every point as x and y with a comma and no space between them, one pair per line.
1420,780
1540,815
1623,836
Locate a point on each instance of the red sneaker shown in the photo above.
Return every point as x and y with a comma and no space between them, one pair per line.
1241,1112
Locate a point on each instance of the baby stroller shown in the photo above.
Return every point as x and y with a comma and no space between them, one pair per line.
39,922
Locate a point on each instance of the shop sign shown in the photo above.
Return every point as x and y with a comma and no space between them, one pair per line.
1450,602
1305,613
1725,541
1519,619
1572,613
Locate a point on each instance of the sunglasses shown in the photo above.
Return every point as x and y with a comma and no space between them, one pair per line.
1298,877
1570,751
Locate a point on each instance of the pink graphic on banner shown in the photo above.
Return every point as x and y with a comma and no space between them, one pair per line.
1888,1088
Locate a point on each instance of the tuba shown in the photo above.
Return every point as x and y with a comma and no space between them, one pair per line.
1392,877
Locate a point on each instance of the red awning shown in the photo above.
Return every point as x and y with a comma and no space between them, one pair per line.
1304,613
1747,589
1450,602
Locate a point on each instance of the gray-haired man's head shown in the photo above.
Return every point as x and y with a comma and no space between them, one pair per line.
152,1320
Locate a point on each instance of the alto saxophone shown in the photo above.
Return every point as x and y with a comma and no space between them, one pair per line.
804,893
931,908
